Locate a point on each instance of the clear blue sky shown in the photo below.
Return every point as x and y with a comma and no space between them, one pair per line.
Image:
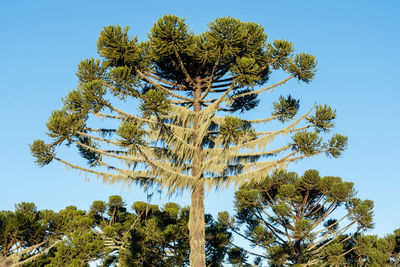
356,44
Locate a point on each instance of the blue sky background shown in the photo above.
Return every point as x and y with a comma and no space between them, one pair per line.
356,44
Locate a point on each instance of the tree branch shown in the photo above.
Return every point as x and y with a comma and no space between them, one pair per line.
182,66
180,87
37,255
160,87
263,89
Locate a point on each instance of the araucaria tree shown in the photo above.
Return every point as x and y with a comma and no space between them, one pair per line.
181,139
293,218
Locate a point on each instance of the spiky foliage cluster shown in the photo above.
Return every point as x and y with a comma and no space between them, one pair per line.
185,82
291,218
131,136
42,152
233,130
286,108
323,118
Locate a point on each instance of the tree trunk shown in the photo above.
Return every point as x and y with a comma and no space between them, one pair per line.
197,227
196,216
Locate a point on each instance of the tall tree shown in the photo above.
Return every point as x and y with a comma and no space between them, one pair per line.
185,82
293,220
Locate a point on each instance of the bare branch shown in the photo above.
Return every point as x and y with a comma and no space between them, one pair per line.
182,66
163,88
269,88
37,255
176,86
210,82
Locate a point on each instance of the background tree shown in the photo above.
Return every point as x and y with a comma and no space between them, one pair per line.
27,233
291,218
148,236
371,250
29,237
78,249
153,236
184,82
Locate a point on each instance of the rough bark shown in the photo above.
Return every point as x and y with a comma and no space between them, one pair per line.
196,227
